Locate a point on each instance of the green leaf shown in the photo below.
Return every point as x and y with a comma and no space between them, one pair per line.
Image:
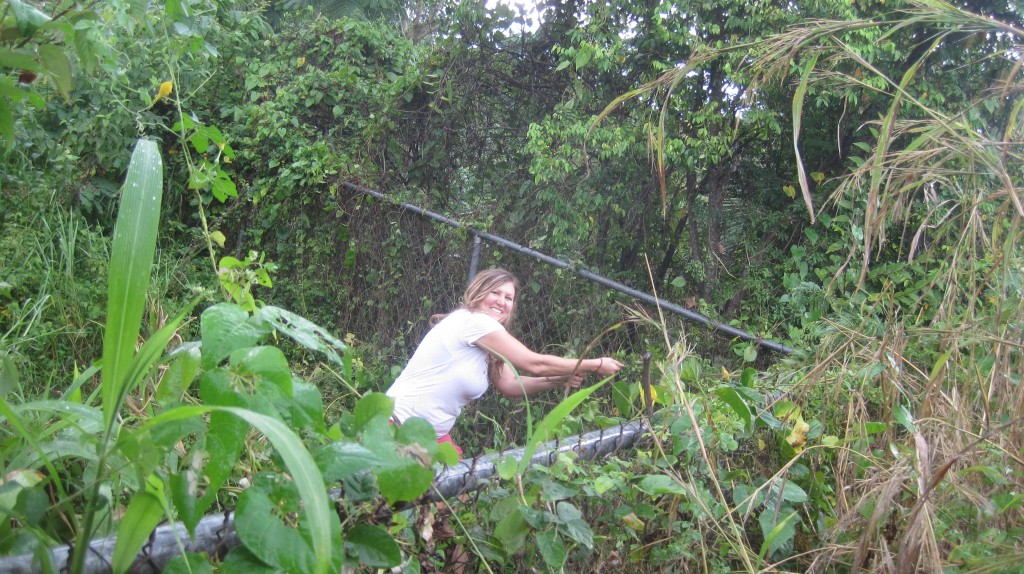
19,60
181,372
571,520
58,68
374,546
545,430
145,511
263,364
302,331
507,467
6,124
656,484
130,265
224,328
511,530
339,460
28,18
404,482
583,56
9,378
370,406
776,535
303,470
189,563
792,492
737,404
903,416
552,549
260,527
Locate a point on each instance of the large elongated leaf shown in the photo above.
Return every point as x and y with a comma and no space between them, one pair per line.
130,262
144,513
546,428
304,472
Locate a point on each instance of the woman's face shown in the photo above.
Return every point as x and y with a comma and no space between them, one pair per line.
499,302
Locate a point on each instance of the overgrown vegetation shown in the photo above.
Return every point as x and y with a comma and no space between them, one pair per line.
196,314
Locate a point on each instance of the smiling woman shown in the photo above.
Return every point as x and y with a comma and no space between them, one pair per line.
465,352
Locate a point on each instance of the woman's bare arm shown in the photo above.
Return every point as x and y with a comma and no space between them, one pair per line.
504,345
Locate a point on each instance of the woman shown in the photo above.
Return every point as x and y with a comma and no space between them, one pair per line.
465,352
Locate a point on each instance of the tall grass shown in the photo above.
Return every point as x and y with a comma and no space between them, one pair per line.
939,363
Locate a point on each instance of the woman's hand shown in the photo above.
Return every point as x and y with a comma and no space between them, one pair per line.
607,366
572,381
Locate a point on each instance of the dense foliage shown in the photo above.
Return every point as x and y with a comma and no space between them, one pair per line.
199,310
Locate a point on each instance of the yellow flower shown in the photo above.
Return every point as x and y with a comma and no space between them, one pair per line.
165,90
300,61
798,437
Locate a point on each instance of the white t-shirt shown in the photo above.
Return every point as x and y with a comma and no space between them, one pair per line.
446,372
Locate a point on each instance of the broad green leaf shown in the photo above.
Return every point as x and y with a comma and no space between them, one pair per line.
572,522
511,530
373,545
339,460
300,465
507,467
405,482
620,395
225,328
181,372
210,464
189,563
775,535
28,17
307,407
263,364
302,331
370,406
749,377
792,492
603,483
240,560
58,68
656,484
131,261
84,418
260,527
145,511
552,549
9,378
737,404
903,416
18,59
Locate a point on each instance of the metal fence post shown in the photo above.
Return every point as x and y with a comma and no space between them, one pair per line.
474,259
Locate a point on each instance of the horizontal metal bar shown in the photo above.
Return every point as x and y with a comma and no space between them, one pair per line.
558,263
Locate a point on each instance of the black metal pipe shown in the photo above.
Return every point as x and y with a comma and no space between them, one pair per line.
614,285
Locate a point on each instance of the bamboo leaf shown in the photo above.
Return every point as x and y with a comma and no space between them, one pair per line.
144,513
798,106
130,262
546,428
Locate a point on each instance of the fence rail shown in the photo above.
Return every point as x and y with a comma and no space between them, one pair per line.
687,314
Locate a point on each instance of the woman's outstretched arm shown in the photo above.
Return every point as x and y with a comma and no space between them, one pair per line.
505,345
